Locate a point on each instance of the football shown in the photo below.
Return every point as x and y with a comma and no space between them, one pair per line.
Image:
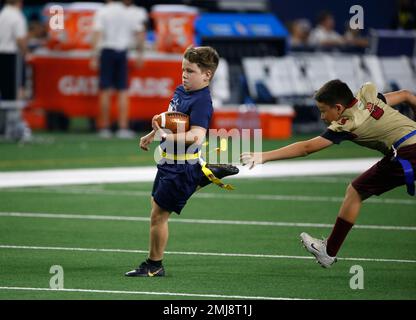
174,121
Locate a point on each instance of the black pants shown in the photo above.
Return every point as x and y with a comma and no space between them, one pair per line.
9,76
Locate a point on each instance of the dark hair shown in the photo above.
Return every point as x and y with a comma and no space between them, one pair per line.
206,58
333,92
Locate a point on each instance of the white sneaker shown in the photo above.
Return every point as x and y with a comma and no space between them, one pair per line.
318,248
125,134
105,133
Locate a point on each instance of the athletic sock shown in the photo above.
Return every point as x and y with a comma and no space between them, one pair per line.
154,263
337,237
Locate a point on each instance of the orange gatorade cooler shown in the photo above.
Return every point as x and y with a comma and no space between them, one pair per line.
174,25
77,31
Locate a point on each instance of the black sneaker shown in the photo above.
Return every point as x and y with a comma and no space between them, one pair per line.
146,270
220,171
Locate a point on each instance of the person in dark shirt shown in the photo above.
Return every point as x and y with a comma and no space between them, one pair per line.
176,180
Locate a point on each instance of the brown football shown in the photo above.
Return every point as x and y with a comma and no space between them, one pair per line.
174,121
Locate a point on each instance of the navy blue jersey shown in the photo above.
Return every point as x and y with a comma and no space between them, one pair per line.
175,183
197,104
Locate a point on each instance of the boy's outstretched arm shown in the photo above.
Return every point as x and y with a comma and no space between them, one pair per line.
401,96
294,150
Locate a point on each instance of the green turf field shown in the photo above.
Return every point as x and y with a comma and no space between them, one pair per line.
240,244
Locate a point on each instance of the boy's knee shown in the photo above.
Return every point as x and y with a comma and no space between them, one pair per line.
352,192
157,218
158,215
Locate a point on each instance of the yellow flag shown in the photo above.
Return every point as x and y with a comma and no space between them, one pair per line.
223,144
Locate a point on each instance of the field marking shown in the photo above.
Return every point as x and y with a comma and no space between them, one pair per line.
148,173
196,221
201,295
209,195
305,179
190,253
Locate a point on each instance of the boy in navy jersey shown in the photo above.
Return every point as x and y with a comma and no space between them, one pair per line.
176,180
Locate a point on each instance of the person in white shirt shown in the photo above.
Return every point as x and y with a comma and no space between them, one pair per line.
139,18
13,48
324,34
13,33
113,30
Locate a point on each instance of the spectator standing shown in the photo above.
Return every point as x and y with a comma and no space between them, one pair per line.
113,29
13,47
139,17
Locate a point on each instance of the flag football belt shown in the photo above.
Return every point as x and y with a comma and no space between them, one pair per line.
211,177
406,165
192,156
179,157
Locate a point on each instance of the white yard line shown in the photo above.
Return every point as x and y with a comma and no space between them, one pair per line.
207,195
196,221
179,294
305,179
215,254
141,174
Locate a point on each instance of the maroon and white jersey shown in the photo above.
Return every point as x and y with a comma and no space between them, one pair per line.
370,122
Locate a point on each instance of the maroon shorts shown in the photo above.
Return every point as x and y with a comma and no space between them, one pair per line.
385,174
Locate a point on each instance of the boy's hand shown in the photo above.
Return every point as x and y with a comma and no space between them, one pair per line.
251,158
145,141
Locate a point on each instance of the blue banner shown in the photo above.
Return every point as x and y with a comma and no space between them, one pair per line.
239,25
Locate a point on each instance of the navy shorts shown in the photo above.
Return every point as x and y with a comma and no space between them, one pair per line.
113,69
174,185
